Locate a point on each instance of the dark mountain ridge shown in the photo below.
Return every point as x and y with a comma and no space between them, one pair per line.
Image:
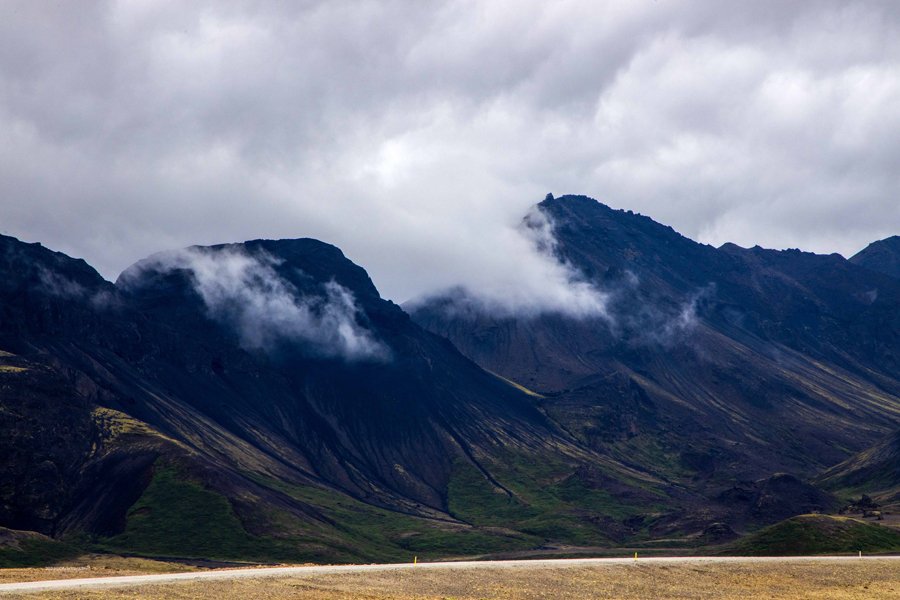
167,369
882,256
264,396
731,362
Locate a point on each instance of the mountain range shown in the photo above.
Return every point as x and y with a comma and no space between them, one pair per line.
713,362
261,401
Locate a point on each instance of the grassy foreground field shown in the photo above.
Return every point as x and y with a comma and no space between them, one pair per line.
866,579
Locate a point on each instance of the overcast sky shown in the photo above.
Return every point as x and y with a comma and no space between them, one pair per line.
415,135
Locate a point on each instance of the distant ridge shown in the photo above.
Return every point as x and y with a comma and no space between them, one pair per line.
882,256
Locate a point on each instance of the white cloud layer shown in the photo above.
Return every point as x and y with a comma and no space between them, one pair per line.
416,135
246,293
535,282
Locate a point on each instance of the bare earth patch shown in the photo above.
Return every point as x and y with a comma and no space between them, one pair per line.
867,579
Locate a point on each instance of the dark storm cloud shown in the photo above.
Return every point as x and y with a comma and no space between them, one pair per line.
415,135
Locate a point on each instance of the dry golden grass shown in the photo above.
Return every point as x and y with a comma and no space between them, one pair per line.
870,579
93,565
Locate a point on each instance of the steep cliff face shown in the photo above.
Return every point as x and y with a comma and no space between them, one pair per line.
48,430
47,437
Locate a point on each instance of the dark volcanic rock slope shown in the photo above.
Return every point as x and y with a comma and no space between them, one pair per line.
875,470
366,392
261,400
714,365
882,256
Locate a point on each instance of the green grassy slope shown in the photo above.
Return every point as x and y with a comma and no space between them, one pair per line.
818,534
536,503
28,549
874,471
177,517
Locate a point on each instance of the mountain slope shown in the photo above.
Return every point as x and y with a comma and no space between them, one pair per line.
269,380
346,420
713,365
262,401
819,534
882,256
874,471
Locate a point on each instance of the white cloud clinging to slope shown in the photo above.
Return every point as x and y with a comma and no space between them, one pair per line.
245,292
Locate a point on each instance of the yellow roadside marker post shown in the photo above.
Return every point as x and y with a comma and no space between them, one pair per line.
415,560
635,556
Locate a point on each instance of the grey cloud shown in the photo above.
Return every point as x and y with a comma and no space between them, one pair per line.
56,284
416,136
680,326
644,320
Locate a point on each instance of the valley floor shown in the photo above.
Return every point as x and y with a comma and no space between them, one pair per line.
698,578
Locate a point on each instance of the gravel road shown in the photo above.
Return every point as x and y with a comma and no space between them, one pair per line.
262,572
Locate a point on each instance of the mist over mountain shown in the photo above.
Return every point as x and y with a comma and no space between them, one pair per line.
789,356
264,397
